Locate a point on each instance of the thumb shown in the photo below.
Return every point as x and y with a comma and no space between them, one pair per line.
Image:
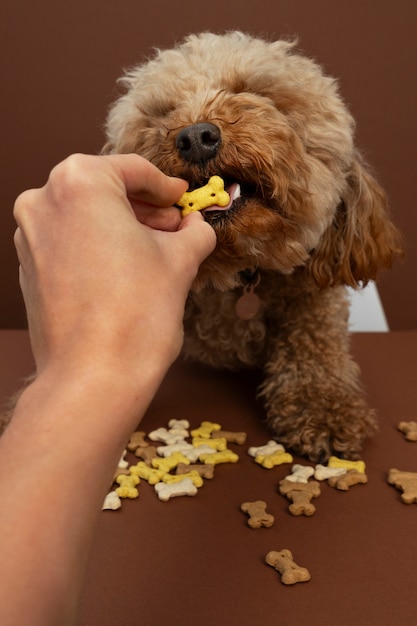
197,236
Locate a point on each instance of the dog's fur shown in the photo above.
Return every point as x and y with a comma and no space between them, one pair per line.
311,220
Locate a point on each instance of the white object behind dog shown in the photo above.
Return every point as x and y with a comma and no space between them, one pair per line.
366,311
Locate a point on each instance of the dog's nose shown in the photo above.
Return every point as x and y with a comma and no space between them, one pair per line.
199,142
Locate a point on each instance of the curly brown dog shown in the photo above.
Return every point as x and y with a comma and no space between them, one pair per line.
306,219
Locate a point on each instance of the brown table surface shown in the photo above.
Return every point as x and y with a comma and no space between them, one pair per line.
195,560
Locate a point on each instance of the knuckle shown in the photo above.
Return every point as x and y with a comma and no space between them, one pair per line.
70,178
22,204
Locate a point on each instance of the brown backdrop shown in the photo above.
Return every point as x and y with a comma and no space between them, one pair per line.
59,63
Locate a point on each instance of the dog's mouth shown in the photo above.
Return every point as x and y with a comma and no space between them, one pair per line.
239,193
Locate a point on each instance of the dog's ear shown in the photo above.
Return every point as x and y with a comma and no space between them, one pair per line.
361,239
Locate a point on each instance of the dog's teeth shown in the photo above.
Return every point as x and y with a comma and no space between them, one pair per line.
235,192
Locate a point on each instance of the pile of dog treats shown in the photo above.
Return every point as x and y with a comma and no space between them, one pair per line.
181,460
175,467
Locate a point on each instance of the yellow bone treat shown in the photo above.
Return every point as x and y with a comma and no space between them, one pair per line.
217,444
195,477
205,430
276,458
150,474
210,194
127,487
224,456
170,462
359,466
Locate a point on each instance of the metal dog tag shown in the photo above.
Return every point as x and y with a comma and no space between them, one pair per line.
248,305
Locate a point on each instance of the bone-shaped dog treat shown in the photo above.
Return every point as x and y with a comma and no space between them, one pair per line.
272,460
179,427
225,456
269,448
146,454
205,470
111,502
324,473
165,436
123,464
406,482
334,461
127,487
195,454
217,444
344,482
181,446
170,462
283,562
119,471
230,437
183,488
150,474
205,430
300,473
301,495
122,467
211,194
409,430
137,440
258,516
178,424
194,476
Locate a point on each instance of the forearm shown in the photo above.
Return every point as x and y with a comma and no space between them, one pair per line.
51,495
105,303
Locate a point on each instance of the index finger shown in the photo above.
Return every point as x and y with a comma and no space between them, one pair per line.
145,181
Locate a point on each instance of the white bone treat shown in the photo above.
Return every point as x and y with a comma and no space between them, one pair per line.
300,473
185,487
269,448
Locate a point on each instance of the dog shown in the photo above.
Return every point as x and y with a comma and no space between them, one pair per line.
306,219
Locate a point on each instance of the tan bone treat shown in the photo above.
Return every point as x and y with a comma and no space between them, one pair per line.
409,430
205,471
211,194
405,482
301,495
146,454
258,516
137,440
125,471
344,482
283,562
231,437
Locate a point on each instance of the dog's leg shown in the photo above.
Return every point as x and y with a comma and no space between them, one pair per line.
312,390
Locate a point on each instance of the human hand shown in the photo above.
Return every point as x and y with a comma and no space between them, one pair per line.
106,264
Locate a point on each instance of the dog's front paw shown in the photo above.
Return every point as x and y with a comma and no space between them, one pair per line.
320,431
